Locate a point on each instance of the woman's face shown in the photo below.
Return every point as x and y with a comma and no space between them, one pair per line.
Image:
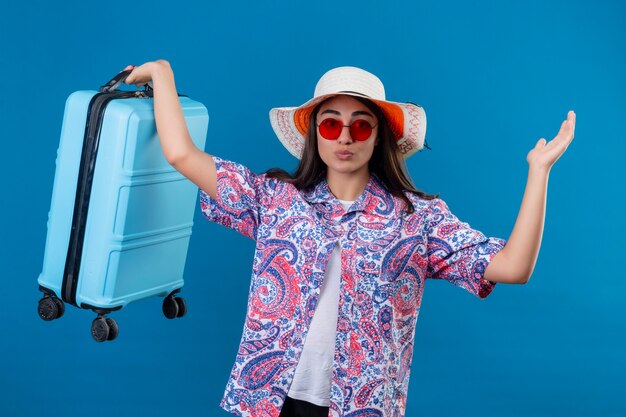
346,155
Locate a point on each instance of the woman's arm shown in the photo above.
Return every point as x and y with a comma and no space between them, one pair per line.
178,148
515,263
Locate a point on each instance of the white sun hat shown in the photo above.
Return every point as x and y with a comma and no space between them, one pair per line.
407,121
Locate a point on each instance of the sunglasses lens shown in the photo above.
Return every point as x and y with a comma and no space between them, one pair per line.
360,130
330,128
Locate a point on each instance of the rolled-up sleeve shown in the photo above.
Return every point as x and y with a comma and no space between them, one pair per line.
458,253
240,197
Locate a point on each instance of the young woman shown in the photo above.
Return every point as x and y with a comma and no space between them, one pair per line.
343,246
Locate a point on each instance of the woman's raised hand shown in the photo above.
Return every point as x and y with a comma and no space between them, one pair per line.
544,155
143,74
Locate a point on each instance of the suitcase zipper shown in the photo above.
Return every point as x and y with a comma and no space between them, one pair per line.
91,142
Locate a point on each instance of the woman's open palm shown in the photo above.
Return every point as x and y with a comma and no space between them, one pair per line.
544,155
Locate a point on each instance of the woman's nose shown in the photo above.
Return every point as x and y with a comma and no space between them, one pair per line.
344,136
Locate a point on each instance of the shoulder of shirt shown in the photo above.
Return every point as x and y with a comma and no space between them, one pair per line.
421,203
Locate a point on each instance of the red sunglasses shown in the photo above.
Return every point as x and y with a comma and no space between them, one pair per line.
359,129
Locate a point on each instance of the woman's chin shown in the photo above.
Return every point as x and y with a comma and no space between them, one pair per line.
346,168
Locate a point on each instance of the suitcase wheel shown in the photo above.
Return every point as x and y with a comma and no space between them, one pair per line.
113,329
182,306
50,308
174,307
103,329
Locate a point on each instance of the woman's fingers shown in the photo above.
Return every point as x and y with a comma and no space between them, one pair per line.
131,78
540,143
140,75
566,132
571,117
570,122
135,77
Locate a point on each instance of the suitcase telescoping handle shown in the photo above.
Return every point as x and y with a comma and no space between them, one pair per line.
116,81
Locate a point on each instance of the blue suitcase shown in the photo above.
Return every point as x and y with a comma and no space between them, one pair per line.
121,217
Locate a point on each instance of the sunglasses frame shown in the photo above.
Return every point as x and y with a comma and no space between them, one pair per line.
349,128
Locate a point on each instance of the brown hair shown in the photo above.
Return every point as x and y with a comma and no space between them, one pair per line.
386,161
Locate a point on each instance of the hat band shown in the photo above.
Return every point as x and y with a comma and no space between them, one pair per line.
355,92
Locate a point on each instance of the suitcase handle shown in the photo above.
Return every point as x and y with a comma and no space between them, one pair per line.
116,81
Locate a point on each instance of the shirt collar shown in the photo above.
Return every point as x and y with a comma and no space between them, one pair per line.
375,199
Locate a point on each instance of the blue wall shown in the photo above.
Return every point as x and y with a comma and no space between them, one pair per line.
493,78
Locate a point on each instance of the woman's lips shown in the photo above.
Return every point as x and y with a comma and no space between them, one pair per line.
344,155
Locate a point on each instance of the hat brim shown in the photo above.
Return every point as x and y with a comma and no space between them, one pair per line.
407,122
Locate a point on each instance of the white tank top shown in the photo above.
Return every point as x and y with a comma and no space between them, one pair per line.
311,381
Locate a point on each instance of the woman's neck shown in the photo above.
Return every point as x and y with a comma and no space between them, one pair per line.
347,187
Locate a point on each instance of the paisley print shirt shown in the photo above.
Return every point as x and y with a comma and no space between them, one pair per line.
386,256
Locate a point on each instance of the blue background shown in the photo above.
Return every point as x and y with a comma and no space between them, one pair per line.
493,77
